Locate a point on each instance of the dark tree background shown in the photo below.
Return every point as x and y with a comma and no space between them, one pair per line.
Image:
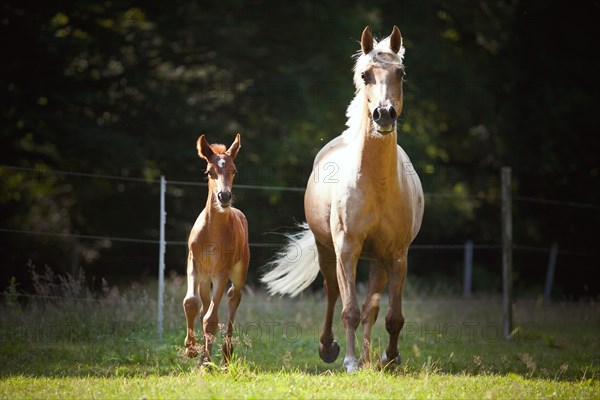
124,88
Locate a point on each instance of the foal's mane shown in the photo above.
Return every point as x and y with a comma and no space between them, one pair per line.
380,56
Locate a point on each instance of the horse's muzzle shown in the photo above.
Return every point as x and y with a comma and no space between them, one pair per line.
224,198
385,117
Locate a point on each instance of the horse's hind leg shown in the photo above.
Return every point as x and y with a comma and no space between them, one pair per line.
394,320
329,349
377,281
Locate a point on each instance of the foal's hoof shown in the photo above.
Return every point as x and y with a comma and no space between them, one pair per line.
207,365
191,352
385,363
329,353
227,350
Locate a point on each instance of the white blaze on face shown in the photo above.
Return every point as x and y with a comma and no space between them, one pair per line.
223,183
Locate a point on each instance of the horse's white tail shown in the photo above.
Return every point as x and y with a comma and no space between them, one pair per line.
294,267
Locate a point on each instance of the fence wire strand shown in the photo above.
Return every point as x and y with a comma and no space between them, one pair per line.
538,200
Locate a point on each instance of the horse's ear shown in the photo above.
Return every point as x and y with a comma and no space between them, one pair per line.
366,41
235,147
395,40
204,150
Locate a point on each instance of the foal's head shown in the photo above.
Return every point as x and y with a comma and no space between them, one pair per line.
378,74
220,169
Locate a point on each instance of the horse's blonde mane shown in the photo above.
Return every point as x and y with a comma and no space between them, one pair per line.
382,56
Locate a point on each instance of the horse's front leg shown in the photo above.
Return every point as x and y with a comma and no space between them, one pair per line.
377,282
191,306
234,297
347,253
394,320
210,321
204,290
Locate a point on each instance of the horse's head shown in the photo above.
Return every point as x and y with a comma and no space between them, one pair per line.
378,73
220,169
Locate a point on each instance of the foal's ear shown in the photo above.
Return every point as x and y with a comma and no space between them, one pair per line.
204,150
235,147
366,41
395,40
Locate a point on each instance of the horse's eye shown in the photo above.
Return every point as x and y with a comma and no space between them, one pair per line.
401,73
363,76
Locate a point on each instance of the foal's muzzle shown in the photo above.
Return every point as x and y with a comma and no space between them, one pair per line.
224,198
385,117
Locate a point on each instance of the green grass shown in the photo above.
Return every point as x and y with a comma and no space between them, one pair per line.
294,384
452,348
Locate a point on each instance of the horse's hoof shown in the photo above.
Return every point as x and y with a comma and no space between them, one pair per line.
227,352
351,365
205,357
330,353
207,365
191,352
385,363
363,361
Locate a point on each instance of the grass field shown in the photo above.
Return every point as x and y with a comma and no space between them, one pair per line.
105,347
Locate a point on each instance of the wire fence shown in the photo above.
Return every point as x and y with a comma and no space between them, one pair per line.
153,181
483,248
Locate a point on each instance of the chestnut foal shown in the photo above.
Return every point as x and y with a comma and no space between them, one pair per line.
218,253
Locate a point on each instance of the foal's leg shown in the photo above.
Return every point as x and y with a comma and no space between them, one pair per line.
347,256
234,296
191,305
377,281
210,322
204,289
329,348
394,320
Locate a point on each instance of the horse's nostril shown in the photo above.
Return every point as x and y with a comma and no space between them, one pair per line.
393,113
224,197
376,114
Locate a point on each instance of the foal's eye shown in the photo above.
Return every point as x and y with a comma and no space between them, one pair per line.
401,73
364,77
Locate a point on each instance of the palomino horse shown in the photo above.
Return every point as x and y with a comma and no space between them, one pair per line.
363,197
218,253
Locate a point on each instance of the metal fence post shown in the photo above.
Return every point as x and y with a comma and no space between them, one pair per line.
161,259
507,256
550,272
468,269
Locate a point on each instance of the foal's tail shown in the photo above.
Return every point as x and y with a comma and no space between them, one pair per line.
295,266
